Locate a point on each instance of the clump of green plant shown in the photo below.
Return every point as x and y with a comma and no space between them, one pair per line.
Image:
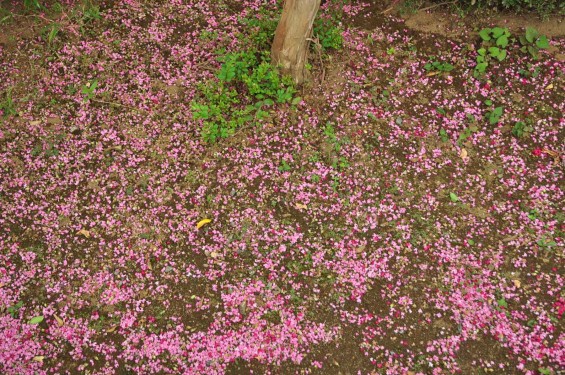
493,46
246,84
90,12
434,65
522,128
50,32
263,25
32,5
328,33
493,116
7,106
532,42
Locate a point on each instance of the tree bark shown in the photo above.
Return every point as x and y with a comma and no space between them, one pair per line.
290,45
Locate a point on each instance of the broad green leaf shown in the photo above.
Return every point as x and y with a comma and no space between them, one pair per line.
502,55
523,40
531,34
533,51
497,32
502,41
482,51
454,198
485,34
481,67
493,51
36,319
498,111
502,303
542,42
296,100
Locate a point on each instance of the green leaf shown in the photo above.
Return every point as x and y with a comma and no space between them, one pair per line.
470,242
523,40
448,67
533,51
454,198
498,111
544,371
493,51
485,34
502,303
542,42
488,102
502,41
481,67
296,100
497,32
502,55
531,34
482,51
36,319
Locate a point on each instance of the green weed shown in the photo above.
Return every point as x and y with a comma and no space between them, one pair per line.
532,42
493,46
89,89
7,106
438,66
246,85
522,128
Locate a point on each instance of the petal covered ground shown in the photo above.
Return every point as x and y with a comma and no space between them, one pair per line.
382,225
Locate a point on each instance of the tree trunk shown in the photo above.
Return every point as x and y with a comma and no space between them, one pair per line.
290,46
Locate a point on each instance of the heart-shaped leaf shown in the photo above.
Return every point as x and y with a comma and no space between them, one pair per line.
502,41
485,34
542,42
531,34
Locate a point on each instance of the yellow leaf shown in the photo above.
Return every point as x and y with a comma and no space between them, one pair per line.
430,74
517,283
111,329
301,206
549,87
463,154
60,321
2,285
84,232
39,358
36,122
202,222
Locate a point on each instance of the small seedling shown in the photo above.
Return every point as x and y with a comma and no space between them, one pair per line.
532,42
14,310
284,167
495,115
438,66
443,135
89,89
